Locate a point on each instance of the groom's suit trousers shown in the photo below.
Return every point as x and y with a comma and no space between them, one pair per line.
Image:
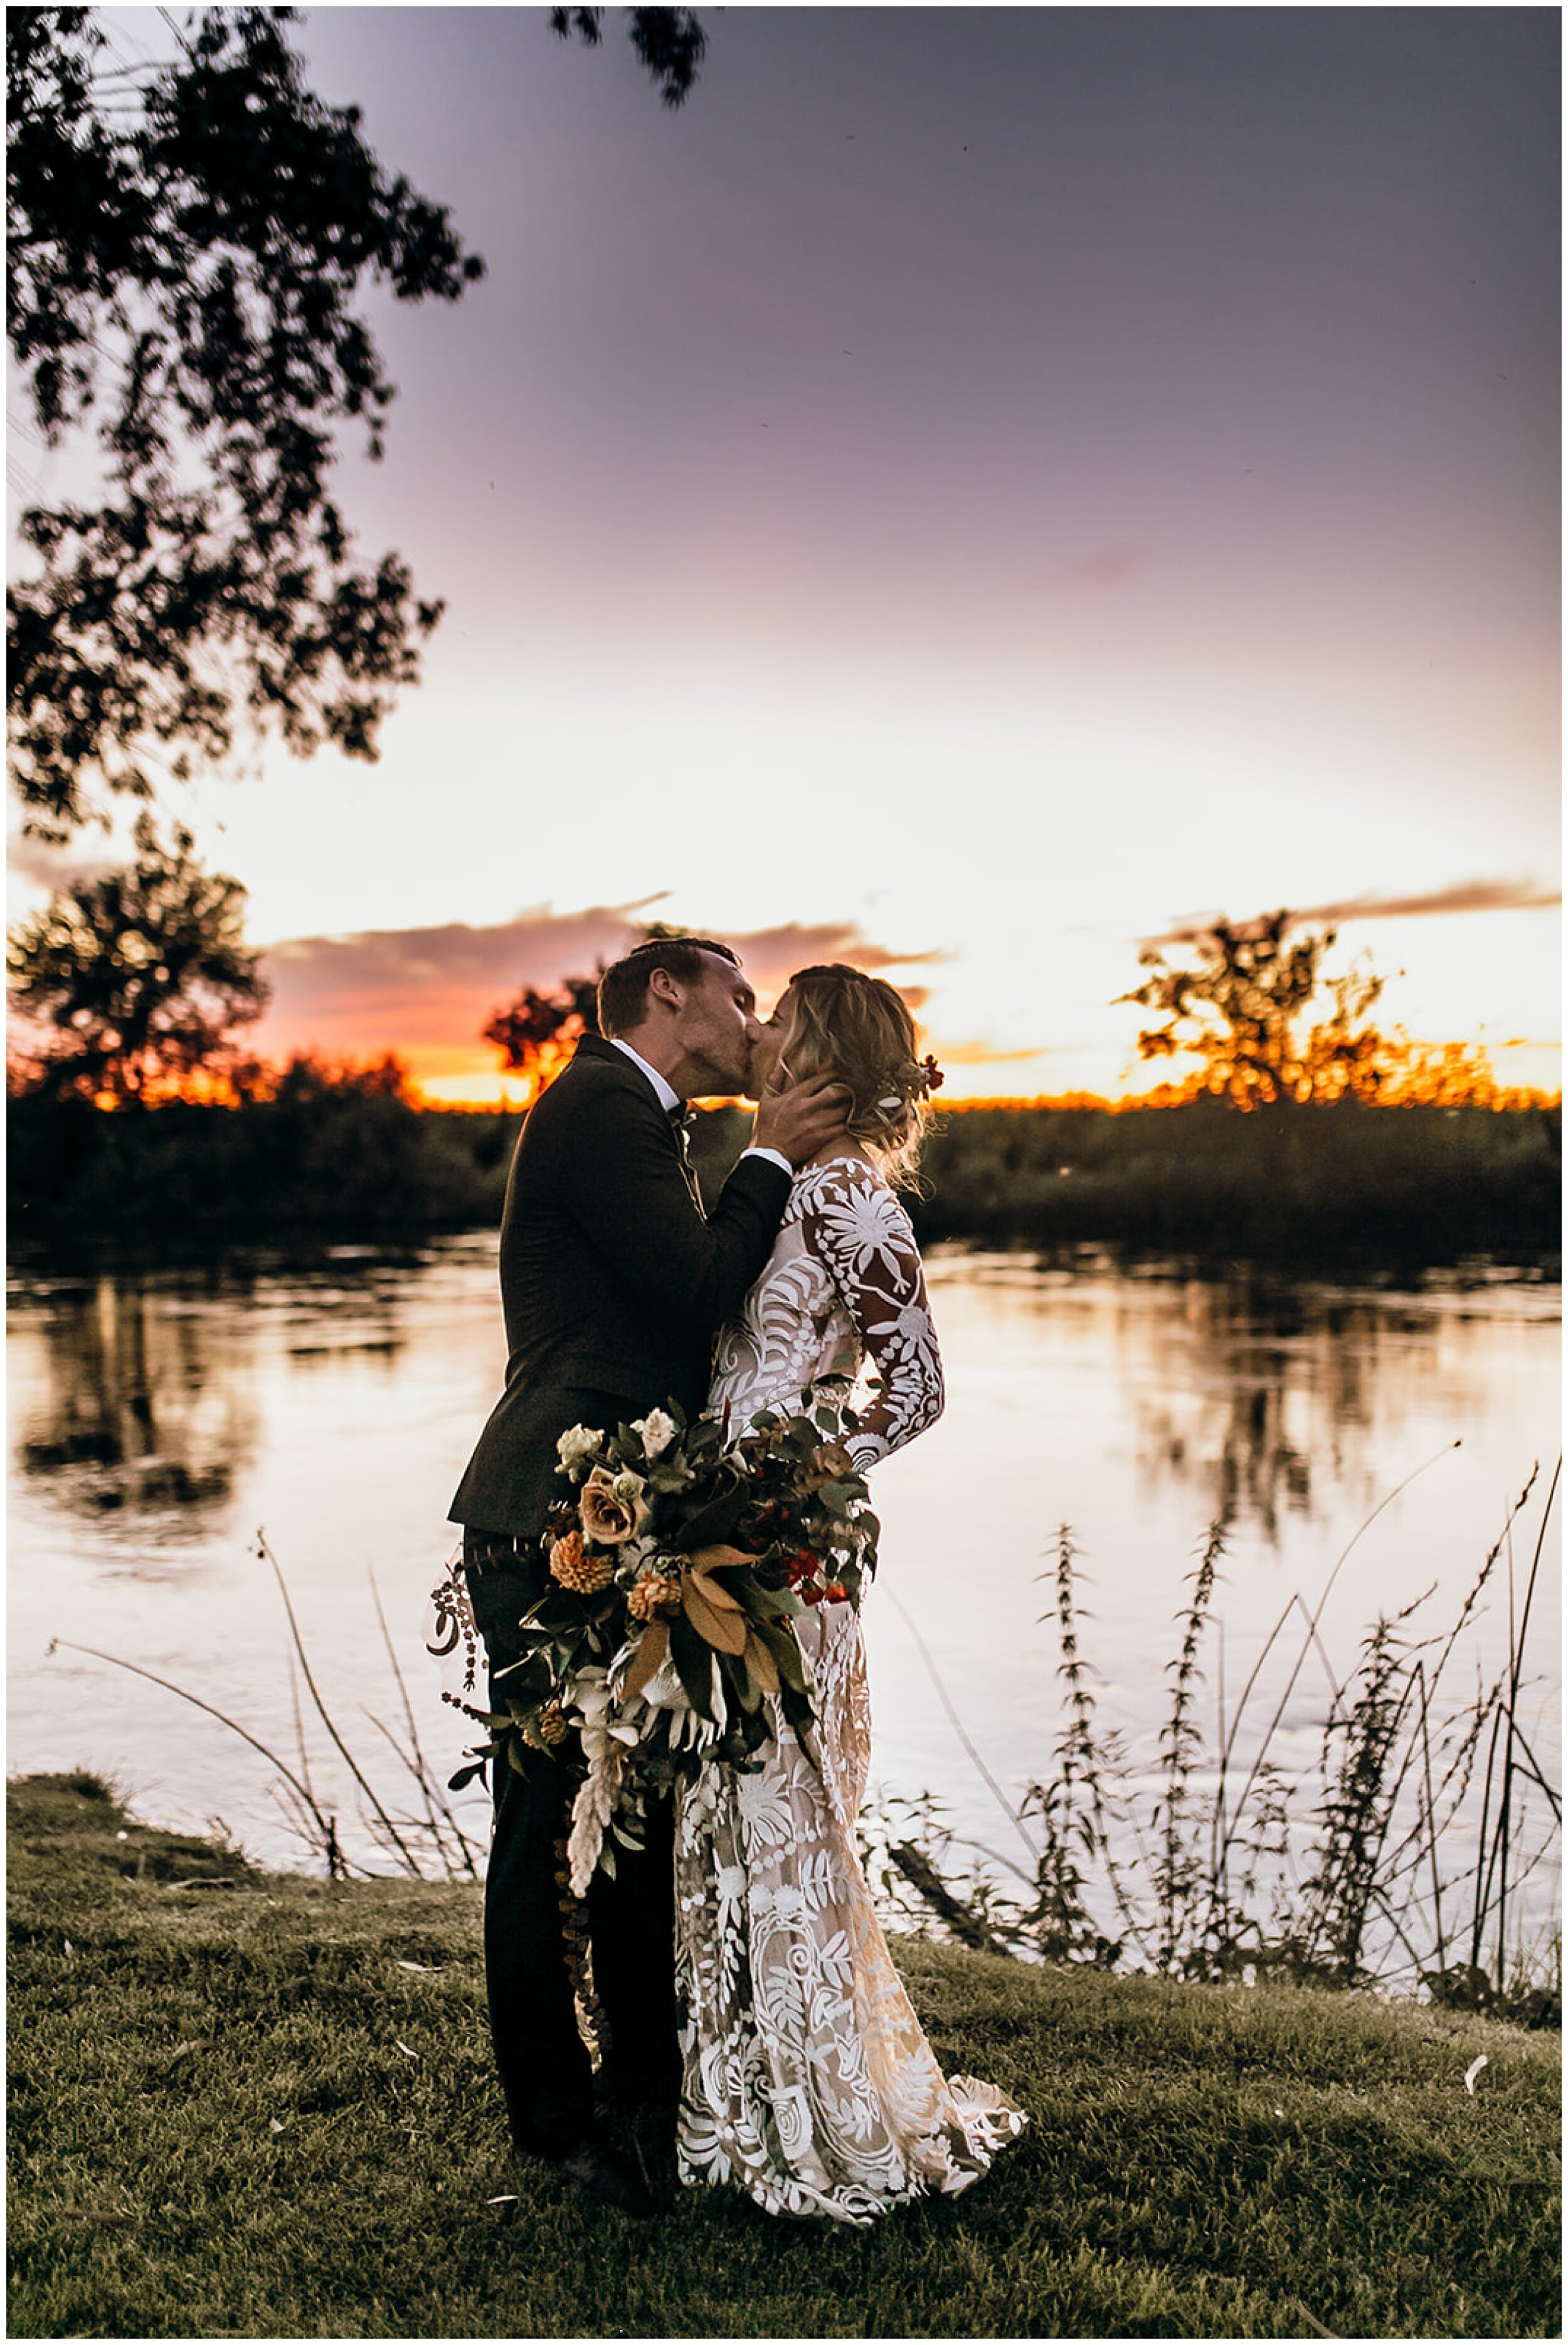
546,2072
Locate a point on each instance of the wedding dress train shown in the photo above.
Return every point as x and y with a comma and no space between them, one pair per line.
807,2081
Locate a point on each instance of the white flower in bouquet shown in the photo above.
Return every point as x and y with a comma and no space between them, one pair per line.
600,1730
657,1432
687,1729
577,1443
628,1487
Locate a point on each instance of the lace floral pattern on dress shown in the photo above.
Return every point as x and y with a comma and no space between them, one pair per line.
807,2080
842,1289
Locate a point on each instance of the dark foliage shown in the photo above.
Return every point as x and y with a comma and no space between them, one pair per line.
1360,1785
334,1154
669,42
330,1155
1342,1183
187,244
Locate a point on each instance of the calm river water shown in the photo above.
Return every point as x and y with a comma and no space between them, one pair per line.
158,1422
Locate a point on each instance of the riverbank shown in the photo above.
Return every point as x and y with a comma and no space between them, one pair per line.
347,1159
256,2105
1305,1186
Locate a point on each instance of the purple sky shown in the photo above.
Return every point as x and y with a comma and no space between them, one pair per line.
991,482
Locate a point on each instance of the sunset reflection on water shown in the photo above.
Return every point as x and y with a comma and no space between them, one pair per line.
158,1422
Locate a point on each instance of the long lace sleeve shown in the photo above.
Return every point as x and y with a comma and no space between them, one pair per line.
858,1229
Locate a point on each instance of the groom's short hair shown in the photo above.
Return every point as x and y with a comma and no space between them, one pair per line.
624,987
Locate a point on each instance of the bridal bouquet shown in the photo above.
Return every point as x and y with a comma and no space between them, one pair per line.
678,1562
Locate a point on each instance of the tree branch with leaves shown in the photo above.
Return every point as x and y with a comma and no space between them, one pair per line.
669,43
188,241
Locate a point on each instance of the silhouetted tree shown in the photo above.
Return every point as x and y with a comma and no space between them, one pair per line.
538,1032
135,981
1246,1009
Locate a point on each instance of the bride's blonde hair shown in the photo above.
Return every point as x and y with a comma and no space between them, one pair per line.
856,1027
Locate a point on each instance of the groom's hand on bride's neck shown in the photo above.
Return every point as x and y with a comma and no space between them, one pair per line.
802,1117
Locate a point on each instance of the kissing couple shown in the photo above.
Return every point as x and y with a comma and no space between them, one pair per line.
753,2010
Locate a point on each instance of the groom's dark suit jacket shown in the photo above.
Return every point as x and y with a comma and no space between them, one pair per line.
612,1281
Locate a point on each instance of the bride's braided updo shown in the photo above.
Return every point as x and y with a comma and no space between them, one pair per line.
858,1027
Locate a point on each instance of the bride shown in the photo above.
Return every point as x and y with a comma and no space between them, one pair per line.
806,2080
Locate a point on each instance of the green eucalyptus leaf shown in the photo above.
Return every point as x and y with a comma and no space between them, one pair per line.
796,1706
765,1603
748,1692
780,1642
693,1659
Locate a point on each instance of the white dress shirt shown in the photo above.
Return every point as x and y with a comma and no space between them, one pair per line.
671,1100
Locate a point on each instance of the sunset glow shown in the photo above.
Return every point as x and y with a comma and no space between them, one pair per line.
970,492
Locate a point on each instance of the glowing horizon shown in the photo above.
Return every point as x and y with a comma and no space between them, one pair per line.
983,487
424,996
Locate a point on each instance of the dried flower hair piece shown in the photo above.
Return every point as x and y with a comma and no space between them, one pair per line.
923,1076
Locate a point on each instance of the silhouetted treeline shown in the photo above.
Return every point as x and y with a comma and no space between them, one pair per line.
350,1158
1285,1184
328,1160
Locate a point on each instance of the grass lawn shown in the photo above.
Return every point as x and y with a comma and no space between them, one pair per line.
266,2110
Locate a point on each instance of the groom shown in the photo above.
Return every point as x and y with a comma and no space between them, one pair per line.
614,1285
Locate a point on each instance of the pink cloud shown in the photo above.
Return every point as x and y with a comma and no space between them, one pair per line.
433,989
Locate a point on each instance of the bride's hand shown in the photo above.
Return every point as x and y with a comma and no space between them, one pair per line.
799,1119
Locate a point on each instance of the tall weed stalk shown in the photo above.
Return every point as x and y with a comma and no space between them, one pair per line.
1178,1872
1073,1808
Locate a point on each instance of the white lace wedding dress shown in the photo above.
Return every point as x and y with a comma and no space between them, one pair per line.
807,2081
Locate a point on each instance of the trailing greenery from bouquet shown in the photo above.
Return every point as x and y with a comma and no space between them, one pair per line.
677,1568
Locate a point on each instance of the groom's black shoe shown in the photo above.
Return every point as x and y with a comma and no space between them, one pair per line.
639,2133
617,2098
603,2181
